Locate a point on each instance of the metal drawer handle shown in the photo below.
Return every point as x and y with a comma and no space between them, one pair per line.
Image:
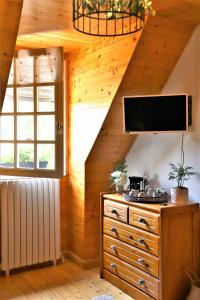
113,266
114,248
114,211
141,241
113,229
141,261
142,220
141,282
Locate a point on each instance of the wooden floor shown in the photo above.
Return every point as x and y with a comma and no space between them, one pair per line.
64,281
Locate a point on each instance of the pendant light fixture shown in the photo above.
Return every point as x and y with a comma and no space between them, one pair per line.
110,17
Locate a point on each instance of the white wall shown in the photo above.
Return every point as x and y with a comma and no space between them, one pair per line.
152,153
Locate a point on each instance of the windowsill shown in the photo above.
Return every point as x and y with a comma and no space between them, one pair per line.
10,178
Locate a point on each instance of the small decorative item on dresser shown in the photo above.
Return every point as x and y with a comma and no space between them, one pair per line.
158,196
180,173
118,176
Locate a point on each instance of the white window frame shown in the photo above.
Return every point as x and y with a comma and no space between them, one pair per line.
36,172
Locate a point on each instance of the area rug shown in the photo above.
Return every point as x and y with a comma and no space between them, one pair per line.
103,297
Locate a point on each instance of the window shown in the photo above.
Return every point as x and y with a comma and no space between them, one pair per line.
31,130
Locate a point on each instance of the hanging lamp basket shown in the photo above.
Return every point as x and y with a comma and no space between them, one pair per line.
108,17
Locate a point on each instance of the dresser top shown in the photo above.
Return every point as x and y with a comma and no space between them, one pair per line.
157,208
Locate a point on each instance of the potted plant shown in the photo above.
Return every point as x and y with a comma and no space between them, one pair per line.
7,161
44,160
180,173
26,159
119,175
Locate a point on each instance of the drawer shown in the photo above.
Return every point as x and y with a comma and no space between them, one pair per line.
116,211
141,239
144,219
125,286
131,255
132,275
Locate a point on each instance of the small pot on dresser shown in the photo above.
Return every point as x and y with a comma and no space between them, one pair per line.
179,195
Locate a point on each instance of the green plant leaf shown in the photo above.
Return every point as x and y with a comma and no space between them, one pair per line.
180,173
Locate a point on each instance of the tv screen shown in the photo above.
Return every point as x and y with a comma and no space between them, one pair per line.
156,113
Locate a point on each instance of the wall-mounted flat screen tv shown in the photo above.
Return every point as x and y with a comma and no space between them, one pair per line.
159,113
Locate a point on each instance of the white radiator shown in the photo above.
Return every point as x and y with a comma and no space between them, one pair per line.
30,222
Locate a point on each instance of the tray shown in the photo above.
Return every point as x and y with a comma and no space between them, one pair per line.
147,199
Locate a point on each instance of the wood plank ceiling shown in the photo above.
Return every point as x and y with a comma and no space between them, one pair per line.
49,23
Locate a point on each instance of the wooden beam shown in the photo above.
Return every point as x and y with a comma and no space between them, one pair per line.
10,14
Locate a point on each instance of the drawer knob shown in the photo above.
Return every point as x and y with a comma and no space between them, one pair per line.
142,220
113,248
141,260
141,241
113,266
141,282
114,211
113,229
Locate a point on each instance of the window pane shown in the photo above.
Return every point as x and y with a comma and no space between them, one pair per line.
24,68
46,98
8,104
25,128
25,156
25,99
46,128
11,75
6,155
46,156
46,68
6,128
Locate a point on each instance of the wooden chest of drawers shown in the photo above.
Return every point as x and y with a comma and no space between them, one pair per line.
146,248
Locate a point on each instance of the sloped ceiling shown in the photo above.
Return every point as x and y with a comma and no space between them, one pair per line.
10,13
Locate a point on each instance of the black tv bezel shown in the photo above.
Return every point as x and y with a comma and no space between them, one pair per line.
188,112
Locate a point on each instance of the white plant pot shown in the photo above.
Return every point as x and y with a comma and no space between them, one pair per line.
179,195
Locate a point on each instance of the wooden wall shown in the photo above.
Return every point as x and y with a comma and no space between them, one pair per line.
148,71
95,75
99,77
10,13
